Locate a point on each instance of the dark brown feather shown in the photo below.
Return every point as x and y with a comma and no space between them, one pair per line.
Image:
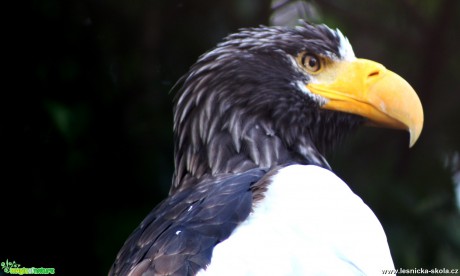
239,105
178,236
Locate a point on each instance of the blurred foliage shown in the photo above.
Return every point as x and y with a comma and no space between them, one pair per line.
87,125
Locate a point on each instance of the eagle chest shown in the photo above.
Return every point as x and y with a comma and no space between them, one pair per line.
308,221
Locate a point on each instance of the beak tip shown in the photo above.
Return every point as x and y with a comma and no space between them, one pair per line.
411,142
414,134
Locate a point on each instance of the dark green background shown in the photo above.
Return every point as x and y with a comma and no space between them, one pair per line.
86,125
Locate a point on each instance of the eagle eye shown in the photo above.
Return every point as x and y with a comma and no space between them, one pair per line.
311,63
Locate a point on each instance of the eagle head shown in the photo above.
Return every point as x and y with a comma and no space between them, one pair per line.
270,96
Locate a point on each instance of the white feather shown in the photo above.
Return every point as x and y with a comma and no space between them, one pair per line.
309,223
345,48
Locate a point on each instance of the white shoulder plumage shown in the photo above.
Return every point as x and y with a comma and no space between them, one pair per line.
309,223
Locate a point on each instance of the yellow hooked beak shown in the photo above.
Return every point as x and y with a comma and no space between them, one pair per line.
368,89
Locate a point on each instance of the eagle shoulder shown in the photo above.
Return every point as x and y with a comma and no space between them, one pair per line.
178,236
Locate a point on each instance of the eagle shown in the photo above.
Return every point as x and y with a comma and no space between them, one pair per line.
252,192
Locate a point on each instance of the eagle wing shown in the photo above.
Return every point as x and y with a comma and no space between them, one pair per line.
178,236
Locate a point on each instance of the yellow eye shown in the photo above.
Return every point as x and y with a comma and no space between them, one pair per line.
311,63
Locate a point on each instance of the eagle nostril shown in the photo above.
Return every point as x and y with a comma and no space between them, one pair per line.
374,74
